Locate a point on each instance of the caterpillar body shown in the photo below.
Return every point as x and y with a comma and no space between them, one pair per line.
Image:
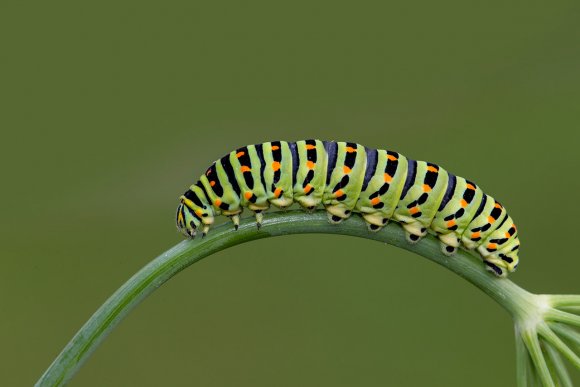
346,177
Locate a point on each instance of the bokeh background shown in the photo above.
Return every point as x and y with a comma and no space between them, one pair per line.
111,109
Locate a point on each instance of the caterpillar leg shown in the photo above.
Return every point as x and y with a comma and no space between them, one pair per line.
189,233
234,215
449,243
207,222
414,231
259,218
310,209
236,221
258,208
337,213
375,221
412,238
448,249
334,219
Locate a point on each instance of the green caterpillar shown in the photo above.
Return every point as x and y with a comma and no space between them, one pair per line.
344,177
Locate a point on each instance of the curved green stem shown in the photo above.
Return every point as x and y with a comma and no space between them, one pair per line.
516,300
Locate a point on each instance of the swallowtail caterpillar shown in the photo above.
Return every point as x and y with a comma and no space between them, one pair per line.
346,177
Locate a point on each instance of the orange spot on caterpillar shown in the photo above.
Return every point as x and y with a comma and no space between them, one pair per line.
497,205
350,149
278,192
414,210
426,188
307,189
275,147
240,154
470,186
392,158
507,235
492,246
245,168
248,195
275,165
217,202
476,235
432,169
451,223
212,183
346,169
339,193
463,203
375,201
310,147
388,178
199,212
310,164
490,219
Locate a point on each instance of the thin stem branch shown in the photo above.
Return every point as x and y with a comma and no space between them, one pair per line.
551,338
565,317
558,366
523,362
567,333
575,309
533,344
565,300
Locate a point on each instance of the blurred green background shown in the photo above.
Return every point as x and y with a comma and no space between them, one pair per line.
111,109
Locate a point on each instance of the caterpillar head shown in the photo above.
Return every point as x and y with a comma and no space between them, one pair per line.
193,212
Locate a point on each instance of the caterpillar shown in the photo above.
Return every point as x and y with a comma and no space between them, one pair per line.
346,177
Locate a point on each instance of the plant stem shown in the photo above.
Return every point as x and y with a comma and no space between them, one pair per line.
513,298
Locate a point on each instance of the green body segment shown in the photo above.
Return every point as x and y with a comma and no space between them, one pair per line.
248,169
278,174
418,206
379,198
463,200
499,245
346,177
308,180
484,223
